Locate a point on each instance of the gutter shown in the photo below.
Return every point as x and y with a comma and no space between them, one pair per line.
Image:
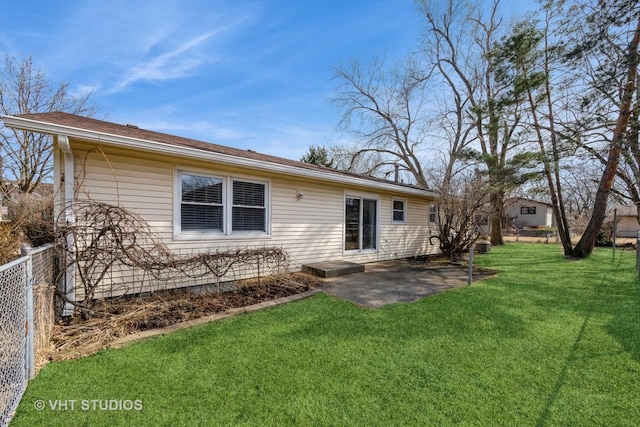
68,286
194,153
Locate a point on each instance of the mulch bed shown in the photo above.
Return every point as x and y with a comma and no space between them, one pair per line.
117,318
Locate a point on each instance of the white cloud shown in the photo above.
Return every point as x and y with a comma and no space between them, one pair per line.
200,129
120,43
83,90
169,65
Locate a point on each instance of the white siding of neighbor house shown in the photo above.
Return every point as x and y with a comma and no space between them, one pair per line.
309,229
543,216
627,226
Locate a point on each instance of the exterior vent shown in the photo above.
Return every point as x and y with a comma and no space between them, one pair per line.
129,125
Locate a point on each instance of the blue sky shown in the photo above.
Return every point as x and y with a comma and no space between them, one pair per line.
248,74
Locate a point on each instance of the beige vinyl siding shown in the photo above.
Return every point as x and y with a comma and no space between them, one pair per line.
412,238
400,240
310,228
142,185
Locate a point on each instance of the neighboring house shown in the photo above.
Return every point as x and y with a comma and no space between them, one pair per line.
202,196
627,219
527,213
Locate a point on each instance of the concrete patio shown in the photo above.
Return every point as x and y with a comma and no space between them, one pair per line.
389,282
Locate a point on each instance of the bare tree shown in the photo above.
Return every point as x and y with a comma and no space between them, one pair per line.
25,157
586,243
579,69
626,187
612,28
580,180
384,109
481,118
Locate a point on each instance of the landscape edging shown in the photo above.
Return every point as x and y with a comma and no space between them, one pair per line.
142,335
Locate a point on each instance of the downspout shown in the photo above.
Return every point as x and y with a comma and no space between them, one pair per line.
68,285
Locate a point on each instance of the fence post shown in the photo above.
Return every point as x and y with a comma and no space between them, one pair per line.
638,251
30,359
613,234
470,278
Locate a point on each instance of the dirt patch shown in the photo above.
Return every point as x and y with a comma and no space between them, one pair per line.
117,318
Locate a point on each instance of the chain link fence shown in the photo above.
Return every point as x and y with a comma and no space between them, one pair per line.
26,319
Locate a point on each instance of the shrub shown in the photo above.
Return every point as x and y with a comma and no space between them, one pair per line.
32,215
605,235
9,242
29,220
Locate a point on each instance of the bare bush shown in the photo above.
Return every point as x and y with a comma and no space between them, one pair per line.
463,213
116,252
33,214
9,242
29,220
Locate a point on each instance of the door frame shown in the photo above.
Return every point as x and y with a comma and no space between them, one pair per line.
361,197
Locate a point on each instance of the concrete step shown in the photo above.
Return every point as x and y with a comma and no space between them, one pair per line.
332,268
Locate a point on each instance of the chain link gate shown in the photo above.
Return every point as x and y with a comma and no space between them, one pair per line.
18,331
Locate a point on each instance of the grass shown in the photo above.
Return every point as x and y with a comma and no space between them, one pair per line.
547,342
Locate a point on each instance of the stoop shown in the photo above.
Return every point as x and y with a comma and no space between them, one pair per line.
332,268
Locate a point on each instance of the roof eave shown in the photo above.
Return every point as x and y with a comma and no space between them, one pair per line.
194,153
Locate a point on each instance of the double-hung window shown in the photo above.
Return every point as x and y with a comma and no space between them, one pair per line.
217,206
433,213
201,207
249,210
399,211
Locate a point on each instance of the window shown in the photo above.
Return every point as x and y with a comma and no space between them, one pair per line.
249,211
433,214
527,210
212,205
201,204
399,211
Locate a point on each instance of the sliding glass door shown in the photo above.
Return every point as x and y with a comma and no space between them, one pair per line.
361,224
369,223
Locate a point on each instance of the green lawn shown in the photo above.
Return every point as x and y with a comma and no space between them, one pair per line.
547,342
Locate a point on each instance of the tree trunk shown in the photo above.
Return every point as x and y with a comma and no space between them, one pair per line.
585,246
497,207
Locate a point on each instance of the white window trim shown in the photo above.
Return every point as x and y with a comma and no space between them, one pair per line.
227,197
229,201
436,213
404,210
361,196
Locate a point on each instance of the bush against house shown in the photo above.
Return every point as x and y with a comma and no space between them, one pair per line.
114,252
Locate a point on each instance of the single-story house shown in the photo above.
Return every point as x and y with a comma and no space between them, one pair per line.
203,196
527,213
627,221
